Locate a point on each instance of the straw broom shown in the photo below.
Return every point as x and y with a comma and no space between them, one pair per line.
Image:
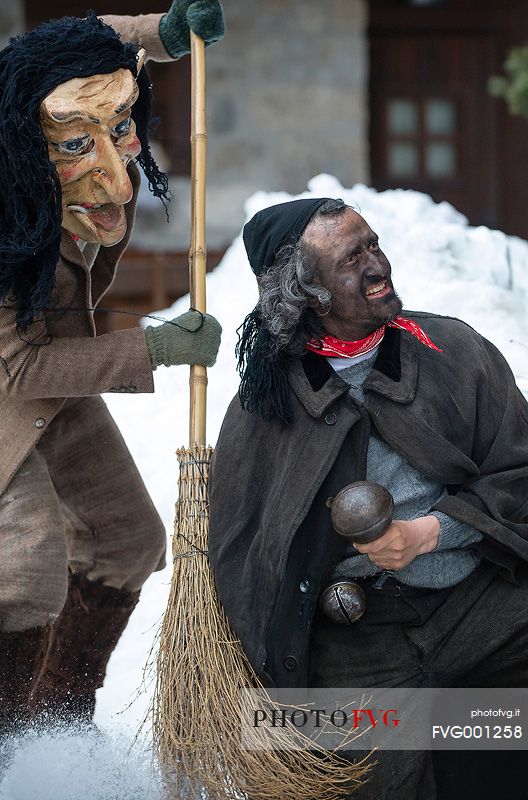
201,666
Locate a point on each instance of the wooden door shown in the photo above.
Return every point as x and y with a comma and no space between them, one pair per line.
433,125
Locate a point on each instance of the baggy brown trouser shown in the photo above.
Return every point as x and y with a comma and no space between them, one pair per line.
79,503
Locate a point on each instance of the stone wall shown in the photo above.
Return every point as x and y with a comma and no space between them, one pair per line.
288,92
287,99
11,19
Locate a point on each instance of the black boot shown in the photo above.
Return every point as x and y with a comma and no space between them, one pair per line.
84,637
22,658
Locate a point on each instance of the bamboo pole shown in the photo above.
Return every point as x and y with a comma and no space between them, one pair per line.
201,665
197,251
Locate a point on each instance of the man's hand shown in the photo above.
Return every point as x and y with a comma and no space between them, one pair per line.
402,542
204,17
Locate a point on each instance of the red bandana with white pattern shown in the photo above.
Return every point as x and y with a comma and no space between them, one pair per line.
331,347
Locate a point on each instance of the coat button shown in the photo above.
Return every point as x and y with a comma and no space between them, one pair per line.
304,586
331,418
40,422
290,662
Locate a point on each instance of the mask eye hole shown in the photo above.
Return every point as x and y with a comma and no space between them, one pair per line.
75,147
122,128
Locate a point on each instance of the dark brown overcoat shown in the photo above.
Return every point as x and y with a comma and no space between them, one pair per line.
457,416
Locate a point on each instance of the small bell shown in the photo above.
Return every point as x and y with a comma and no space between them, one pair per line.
343,602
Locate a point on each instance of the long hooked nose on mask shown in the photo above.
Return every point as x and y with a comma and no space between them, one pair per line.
110,176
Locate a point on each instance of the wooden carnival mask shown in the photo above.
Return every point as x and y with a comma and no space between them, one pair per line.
91,140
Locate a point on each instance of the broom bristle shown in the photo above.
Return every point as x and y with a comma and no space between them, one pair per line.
201,671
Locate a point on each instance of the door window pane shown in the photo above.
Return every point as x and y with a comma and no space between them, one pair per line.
403,159
403,117
440,161
439,117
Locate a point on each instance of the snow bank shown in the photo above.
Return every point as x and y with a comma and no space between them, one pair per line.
71,765
440,264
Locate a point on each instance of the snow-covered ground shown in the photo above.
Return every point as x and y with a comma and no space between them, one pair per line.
439,264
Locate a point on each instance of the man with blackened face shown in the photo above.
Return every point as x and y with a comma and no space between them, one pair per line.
352,267
377,534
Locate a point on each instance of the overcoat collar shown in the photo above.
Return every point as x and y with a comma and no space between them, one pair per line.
394,375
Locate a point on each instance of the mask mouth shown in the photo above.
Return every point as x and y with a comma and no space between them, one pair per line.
77,209
83,208
98,217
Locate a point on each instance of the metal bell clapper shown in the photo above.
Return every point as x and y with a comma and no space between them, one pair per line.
343,602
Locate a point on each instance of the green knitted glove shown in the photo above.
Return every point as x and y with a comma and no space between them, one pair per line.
204,17
186,342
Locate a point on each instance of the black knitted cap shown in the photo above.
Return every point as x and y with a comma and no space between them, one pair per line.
271,228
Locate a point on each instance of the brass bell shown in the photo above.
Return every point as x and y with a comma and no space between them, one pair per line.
362,511
343,602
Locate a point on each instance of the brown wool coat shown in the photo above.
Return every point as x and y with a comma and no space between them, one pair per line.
61,356
457,416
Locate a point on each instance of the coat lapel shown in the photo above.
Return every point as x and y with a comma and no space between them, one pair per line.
393,376
395,370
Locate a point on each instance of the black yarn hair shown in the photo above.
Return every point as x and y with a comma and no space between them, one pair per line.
264,385
31,67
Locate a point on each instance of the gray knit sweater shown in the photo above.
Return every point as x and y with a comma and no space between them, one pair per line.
414,494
